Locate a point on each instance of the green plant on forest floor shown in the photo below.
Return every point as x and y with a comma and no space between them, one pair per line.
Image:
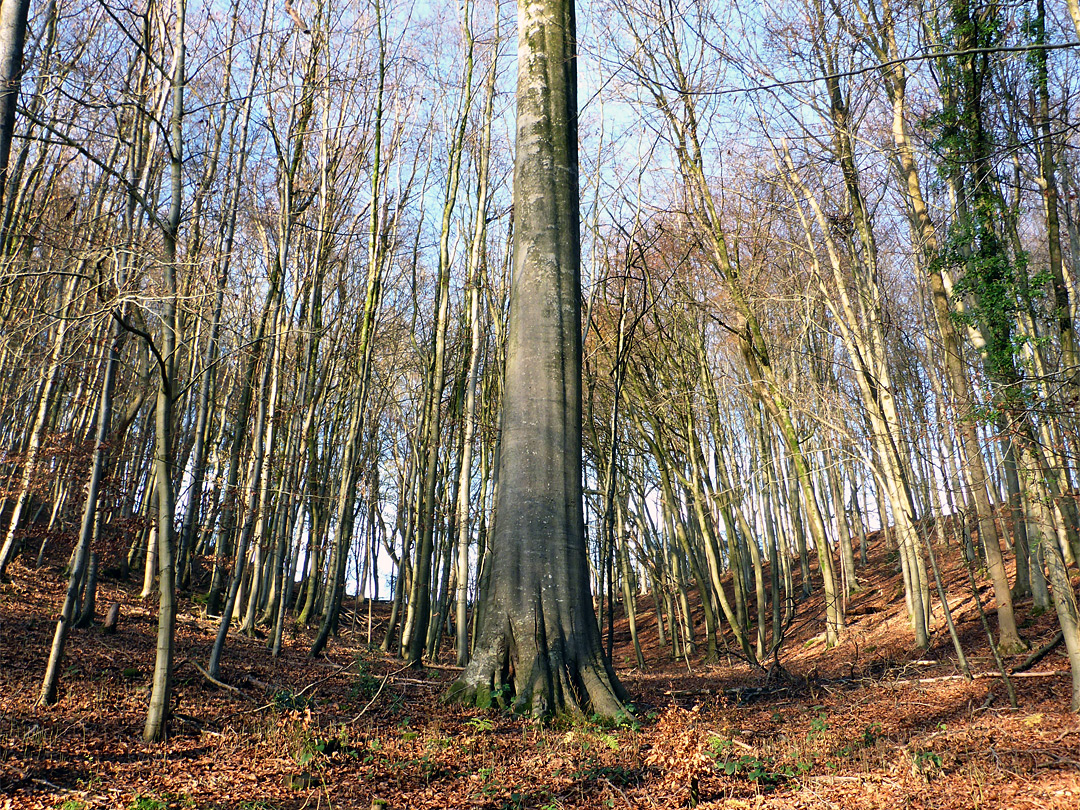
144,802
286,700
762,770
926,764
315,747
492,789
480,724
407,732
365,684
584,738
819,725
871,734
623,718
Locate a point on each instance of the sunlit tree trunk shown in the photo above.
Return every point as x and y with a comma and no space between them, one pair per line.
540,636
90,516
158,713
37,430
882,39
416,626
351,461
207,385
468,414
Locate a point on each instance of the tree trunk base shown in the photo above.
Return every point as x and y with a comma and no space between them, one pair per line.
513,668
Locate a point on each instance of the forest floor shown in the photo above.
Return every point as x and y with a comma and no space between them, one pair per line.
871,723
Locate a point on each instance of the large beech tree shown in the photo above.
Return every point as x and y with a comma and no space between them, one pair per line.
539,646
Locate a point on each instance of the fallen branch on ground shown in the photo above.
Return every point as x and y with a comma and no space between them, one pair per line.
220,684
1039,654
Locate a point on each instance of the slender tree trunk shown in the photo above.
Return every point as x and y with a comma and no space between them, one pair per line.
158,713
895,80
37,430
99,459
420,598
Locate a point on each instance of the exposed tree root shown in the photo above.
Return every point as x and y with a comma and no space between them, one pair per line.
538,676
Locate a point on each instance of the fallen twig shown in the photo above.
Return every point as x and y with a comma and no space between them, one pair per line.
375,697
220,684
611,785
982,675
419,682
340,668
51,786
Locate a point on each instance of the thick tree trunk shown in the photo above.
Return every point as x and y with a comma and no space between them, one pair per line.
540,638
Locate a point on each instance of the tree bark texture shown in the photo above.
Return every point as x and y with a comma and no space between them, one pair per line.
539,645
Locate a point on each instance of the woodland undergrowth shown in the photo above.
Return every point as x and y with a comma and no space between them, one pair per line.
869,723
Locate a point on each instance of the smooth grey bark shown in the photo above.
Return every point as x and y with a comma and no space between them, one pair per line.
228,510
255,470
417,626
859,319
18,183
89,590
778,559
628,591
13,14
230,505
158,712
262,505
351,463
539,637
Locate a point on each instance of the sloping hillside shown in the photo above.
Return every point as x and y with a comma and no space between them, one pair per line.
870,723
